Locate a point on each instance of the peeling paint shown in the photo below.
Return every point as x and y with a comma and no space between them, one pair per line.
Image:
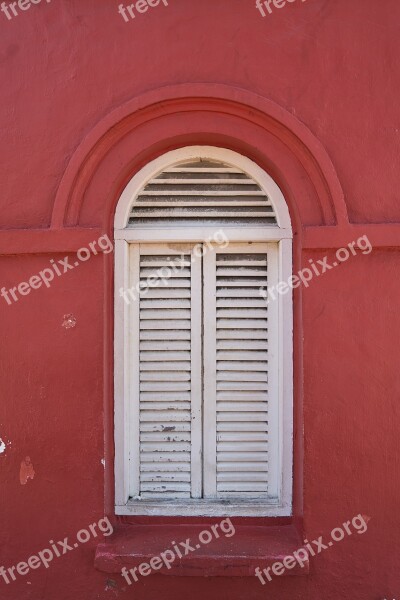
69,321
26,471
112,586
2,446
103,462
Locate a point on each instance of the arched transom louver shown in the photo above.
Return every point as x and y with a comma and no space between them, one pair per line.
202,192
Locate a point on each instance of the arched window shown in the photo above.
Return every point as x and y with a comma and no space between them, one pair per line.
203,362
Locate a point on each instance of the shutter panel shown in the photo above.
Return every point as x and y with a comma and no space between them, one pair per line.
169,322
202,192
239,375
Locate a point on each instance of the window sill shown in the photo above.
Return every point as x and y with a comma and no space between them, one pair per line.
238,555
206,508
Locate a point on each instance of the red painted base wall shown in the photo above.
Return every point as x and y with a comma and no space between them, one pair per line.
310,92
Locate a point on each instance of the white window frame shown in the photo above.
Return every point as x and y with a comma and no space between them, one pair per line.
125,413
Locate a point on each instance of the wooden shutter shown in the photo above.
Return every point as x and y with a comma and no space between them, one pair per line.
207,417
240,378
202,192
167,337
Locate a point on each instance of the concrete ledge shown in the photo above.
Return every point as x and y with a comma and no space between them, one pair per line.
239,555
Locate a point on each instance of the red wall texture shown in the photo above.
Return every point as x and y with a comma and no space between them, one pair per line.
308,92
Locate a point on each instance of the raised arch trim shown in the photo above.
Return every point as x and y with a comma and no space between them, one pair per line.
213,98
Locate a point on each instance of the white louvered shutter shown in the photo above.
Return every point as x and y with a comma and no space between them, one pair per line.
202,192
240,375
167,322
204,343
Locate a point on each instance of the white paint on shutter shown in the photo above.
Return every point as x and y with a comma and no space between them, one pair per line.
230,394
202,192
169,318
240,388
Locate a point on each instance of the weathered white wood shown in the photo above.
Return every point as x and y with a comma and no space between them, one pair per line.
274,368
210,375
209,195
134,379
170,477
246,405
165,374
202,170
239,393
170,355
229,416
164,457
242,456
167,396
167,447
161,345
196,378
254,488
278,499
241,385
228,467
176,467
201,193
154,436
166,324
232,507
242,436
242,334
165,486
164,336
285,336
235,270
242,376
215,180
162,273
243,426
170,427
246,344
156,368
210,202
165,417
178,213
163,292
189,232
122,406
164,303
244,366
242,355
235,292
229,157
163,386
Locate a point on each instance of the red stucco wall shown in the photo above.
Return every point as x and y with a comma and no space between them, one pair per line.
308,92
